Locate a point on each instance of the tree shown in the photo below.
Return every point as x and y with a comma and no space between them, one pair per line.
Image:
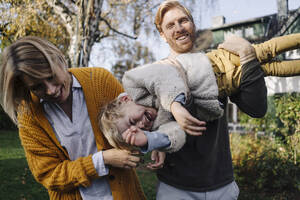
75,26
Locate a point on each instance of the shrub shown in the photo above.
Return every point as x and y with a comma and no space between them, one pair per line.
270,163
264,164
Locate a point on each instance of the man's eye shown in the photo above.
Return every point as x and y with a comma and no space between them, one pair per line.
184,20
170,26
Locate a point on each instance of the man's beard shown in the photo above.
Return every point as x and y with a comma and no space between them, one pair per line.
182,48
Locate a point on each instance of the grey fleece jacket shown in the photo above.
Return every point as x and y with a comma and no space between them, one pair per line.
158,84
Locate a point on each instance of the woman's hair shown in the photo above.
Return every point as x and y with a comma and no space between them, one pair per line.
165,7
32,56
107,118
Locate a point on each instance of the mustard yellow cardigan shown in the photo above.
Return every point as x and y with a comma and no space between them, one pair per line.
49,161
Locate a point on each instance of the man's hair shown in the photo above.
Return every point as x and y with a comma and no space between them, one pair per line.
107,118
32,56
165,7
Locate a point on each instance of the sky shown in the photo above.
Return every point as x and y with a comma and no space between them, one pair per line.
239,10
232,10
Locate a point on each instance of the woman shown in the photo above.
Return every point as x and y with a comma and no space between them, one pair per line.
56,109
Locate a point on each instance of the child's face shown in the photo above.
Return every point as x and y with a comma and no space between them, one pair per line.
135,115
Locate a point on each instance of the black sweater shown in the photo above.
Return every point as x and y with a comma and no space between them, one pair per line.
204,163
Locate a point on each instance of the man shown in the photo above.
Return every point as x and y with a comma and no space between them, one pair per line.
202,169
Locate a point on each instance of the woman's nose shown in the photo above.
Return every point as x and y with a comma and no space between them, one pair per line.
50,89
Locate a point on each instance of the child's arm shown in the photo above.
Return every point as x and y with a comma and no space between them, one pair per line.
146,140
169,137
158,85
187,122
154,85
202,84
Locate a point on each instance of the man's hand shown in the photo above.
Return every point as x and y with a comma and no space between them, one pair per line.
158,158
239,46
135,136
186,121
120,158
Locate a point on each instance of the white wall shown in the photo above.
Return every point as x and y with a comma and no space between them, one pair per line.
280,84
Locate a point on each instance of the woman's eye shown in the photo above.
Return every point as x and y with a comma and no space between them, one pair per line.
50,78
36,88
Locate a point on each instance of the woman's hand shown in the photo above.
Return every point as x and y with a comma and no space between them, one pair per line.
120,158
135,136
186,121
158,158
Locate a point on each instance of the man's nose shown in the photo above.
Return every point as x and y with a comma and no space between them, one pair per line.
178,28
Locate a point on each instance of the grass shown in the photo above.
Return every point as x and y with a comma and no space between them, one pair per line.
17,182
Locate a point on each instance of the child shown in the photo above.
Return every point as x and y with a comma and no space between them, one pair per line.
158,85
123,118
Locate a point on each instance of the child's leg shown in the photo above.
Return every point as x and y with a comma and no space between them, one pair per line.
269,49
282,68
227,69
243,83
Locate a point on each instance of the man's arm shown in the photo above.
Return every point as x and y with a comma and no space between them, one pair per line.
252,95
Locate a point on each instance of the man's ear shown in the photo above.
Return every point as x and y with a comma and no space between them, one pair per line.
125,98
162,35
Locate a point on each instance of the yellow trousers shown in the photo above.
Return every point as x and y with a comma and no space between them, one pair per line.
228,70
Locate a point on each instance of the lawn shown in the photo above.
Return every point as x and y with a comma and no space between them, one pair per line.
17,183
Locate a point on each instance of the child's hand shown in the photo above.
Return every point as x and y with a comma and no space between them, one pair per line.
158,158
186,121
135,136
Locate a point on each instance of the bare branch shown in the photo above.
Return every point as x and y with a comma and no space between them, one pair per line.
63,14
116,31
289,22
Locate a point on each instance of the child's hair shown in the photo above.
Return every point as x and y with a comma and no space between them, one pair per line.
107,118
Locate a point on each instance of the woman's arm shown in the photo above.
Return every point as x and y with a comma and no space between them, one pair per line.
48,163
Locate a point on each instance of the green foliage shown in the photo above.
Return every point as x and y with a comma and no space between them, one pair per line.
265,164
282,118
271,163
267,124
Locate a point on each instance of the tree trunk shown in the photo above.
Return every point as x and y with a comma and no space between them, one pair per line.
91,14
82,24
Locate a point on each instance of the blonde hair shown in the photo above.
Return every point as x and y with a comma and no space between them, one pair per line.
165,7
32,56
107,118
